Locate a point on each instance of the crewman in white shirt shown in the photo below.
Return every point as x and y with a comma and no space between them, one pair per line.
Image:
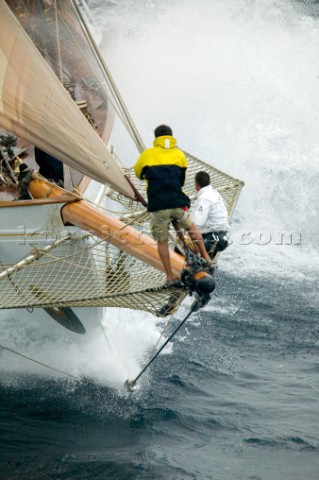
209,213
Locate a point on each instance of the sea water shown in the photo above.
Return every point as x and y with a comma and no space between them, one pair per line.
236,394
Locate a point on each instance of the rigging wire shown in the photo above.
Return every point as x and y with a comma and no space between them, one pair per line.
131,384
127,119
75,377
58,41
112,348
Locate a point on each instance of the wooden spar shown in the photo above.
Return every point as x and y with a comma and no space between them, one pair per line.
99,223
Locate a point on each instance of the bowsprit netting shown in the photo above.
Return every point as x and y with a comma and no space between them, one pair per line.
80,270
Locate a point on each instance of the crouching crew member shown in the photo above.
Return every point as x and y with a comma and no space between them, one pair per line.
210,215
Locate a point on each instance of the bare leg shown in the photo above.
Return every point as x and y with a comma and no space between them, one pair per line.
197,238
163,251
178,231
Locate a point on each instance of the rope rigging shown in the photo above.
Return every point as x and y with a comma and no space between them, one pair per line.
22,355
129,384
202,291
197,304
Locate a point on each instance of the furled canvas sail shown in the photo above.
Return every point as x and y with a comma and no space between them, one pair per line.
35,105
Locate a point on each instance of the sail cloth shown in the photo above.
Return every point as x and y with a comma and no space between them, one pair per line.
36,107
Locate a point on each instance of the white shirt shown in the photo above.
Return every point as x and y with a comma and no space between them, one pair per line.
209,212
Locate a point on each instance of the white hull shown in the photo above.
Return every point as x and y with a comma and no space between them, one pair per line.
25,231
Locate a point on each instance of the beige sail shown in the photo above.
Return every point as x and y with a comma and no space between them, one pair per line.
36,107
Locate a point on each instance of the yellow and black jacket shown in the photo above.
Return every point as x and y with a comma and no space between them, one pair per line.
164,168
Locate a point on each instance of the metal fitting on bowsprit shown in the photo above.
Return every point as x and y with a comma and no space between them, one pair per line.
198,280
203,282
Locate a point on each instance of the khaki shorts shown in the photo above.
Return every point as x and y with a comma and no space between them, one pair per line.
161,220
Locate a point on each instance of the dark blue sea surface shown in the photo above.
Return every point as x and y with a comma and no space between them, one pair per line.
236,399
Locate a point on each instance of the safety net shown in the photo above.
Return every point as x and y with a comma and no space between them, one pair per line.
80,270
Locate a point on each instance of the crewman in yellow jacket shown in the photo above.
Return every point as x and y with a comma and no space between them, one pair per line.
164,168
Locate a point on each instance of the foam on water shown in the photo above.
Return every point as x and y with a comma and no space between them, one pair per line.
237,81
108,355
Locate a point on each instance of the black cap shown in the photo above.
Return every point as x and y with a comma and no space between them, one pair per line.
23,167
162,130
